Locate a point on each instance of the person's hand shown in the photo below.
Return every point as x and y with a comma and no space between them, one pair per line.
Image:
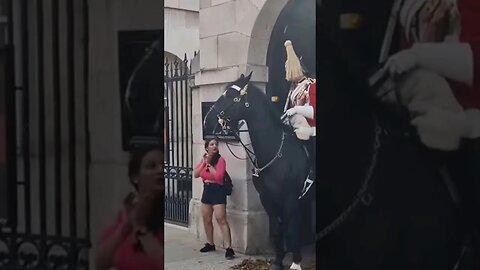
291,111
208,159
442,129
285,119
305,132
209,166
401,62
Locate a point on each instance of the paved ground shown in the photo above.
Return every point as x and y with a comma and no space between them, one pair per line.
182,253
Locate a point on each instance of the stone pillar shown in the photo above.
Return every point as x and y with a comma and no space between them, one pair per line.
233,40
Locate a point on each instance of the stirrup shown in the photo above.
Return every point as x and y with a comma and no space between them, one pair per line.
306,186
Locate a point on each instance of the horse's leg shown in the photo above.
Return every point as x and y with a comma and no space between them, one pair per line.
274,213
292,225
278,225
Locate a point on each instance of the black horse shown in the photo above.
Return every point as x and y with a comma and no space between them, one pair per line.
382,200
281,161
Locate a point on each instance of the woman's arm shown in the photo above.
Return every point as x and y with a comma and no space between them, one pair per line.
111,240
199,168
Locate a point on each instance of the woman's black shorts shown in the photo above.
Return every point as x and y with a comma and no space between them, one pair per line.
213,194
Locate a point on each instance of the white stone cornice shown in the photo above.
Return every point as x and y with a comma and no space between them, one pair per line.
230,74
187,5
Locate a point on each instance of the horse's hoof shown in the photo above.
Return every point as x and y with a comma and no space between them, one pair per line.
277,267
295,266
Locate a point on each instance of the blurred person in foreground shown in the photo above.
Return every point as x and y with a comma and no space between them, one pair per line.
134,240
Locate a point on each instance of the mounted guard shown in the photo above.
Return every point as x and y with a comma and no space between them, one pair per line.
300,108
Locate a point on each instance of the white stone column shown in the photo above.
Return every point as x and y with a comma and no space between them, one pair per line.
181,27
234,38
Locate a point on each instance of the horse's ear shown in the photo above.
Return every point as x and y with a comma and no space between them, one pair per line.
249,75
242,76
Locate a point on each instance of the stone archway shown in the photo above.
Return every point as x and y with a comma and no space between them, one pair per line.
266,52
297,23
276,22
170,56
269,11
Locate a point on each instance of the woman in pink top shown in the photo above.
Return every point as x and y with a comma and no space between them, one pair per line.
214,199
135,239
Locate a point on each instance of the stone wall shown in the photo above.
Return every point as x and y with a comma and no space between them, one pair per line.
181,27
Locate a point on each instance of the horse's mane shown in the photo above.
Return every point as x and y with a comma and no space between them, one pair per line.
260,96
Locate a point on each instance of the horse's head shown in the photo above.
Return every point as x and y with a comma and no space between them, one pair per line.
230,107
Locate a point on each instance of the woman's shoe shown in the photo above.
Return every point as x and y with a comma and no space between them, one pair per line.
229,254
208,247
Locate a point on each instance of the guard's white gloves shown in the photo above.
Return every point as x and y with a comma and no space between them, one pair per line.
452,60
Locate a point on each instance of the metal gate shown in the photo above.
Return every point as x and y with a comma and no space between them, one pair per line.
46,59
178,141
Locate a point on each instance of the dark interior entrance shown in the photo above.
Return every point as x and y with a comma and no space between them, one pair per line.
297,23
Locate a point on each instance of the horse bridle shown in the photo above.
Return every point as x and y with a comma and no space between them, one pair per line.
223,119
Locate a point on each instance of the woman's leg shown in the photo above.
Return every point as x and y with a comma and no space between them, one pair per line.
221,216
207,212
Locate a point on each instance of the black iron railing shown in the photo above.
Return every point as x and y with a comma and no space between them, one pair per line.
178,134
48,224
